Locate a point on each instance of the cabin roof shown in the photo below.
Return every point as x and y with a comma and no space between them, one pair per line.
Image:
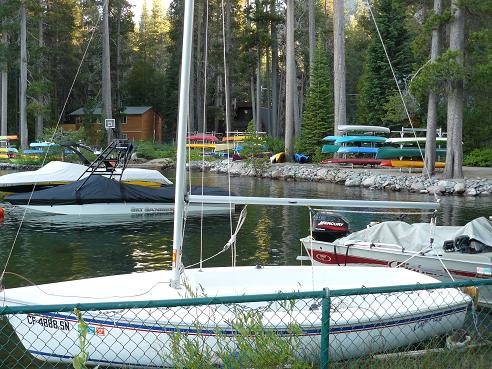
128,110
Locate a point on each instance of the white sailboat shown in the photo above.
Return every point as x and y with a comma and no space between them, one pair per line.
142,337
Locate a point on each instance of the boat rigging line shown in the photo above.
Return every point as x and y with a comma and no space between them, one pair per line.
96,24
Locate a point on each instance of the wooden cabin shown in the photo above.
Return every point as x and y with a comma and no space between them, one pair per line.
136,123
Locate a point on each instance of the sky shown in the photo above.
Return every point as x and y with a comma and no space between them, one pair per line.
137,7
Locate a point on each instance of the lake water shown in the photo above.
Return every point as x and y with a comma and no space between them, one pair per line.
56,248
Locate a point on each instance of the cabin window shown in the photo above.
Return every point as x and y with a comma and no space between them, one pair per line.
124,136
123,119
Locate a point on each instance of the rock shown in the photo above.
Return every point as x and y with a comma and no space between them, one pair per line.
352,182
369,181
471,192
459,187
417,186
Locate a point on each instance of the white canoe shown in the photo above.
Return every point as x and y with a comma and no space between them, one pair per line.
359,325
358,128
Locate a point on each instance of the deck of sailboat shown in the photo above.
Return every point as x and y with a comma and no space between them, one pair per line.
210,282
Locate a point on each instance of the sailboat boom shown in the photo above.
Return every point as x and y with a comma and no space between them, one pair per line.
333,203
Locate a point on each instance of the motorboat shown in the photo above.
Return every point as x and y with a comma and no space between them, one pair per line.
57,173
444,252
98,195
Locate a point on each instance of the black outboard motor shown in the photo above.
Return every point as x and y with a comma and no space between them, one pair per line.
328,227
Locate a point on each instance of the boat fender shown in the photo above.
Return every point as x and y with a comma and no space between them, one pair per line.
2,214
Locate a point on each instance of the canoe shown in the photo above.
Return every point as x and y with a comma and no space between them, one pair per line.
413,140
357,150
202,138
329,149
224,146
8,149
42,144
358,128
352,161
200,146
278,158
408,164
368,139
404,152
7,138
234,138
329,138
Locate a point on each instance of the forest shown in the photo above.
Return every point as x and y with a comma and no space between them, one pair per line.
301,66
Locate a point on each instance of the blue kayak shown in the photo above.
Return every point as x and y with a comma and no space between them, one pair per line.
330,138
357,150
368,139
301,158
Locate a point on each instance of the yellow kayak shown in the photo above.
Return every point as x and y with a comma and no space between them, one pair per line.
278,158
200,146
411,164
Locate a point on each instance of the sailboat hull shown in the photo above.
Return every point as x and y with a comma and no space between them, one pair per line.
143,337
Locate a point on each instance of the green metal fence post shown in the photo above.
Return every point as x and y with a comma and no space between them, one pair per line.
325,329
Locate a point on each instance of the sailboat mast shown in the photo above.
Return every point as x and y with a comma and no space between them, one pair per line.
181,137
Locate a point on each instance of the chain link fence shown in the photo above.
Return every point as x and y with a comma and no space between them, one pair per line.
442,325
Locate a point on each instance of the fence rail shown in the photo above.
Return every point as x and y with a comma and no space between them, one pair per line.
411,326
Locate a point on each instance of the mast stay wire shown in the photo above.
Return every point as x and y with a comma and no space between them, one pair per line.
51,140
204,128
436,196
228,129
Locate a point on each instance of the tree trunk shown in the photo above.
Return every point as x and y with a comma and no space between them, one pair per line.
275,120
191,107
24,139
4,71
227,88
106,72
199,70
41,99
118,58
297,111
253,99
454,153
430,143
290,82
339,65
218,102
258,91
312,38
269,95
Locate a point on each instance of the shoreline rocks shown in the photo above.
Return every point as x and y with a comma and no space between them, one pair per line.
368,178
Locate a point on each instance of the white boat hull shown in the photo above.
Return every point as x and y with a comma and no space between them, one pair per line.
130,208
142,337
461,266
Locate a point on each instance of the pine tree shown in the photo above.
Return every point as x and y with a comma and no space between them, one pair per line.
379,84
318,113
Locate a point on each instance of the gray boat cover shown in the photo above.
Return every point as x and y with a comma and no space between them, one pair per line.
416,237
99,189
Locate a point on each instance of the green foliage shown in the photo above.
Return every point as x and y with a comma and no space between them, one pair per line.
80,361
252,346
479,158
317,119
379,83
395,111
60,136
149,150
435,76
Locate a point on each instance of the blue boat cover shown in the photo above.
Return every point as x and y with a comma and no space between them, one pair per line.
99,189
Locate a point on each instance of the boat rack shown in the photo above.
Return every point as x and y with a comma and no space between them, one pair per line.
115,156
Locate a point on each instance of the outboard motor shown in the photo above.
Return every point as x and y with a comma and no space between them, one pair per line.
328,227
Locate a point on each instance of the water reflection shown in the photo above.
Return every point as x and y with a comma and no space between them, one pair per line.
53,248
